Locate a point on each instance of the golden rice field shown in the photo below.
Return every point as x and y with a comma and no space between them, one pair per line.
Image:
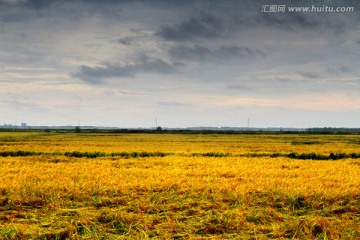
179,186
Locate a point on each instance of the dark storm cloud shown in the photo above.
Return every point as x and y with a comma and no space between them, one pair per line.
199,26
296,21
204,19
317,21
232,50
290,21
219,22
95,75
197,52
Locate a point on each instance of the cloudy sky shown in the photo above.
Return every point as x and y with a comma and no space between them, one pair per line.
185,63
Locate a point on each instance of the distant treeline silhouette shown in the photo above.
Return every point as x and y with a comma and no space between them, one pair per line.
96,154
333,130
159,130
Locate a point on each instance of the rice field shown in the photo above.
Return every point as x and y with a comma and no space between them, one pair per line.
179,186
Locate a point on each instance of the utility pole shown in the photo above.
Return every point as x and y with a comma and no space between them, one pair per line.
248,124
155,123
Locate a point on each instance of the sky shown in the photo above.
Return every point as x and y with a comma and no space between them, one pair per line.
173,63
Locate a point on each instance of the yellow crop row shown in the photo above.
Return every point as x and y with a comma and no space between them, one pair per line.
181,143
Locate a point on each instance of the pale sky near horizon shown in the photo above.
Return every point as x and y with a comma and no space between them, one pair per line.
187,63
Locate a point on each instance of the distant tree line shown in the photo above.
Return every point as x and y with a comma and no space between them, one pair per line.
159,130
333,130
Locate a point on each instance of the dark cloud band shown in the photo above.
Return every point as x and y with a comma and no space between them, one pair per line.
95,75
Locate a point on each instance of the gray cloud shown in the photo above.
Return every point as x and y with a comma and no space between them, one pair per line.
4,2
45,3
312,75
331,70
196,27
289,21
345,69
331,22
24,106
239,87
138,37
339,70
173,104
36,4
95,75
226,22
126,41
31,4
227,45
27,10
197,52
